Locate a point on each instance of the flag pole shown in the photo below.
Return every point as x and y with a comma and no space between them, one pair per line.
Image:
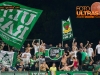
39,56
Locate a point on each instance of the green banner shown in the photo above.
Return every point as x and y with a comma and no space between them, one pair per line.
16,24
21,73
67,32
7,73
37,73
53,54
49,73
72,73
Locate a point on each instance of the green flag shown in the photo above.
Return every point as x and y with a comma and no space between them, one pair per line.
16,24
67,32
8,58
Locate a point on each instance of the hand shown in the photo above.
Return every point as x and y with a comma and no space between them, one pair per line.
73,39
91,43
33,40
87,41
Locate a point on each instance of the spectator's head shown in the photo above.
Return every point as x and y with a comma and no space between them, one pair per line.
59,45
28,45
99,41
74,57
90,45
75,43
53,65
41,56
34,57
66,45
44,62
81,44
50,45
37,44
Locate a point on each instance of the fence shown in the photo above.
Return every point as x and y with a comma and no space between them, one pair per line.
49,73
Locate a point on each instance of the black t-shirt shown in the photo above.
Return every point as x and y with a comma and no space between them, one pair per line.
66,49
79,57
90,67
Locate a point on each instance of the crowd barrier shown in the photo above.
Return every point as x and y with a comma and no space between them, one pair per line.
49,73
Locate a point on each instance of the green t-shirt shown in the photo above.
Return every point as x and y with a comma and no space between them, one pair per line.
32,62
37,54
86,61
84,54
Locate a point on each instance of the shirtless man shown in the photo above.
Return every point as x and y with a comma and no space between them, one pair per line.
64,58
44,66
66,67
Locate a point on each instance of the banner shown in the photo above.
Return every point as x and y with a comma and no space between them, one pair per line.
67,32
21,73
7,73
16,22
49,73
72,73
8,58
53,54
37,73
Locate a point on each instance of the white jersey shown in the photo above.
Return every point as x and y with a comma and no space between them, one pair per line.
28,55
98,49
90,51
74,53
36,48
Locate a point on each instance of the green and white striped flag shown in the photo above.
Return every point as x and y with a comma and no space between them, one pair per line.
8,58
67,32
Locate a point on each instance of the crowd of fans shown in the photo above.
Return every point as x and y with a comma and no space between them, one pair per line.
75,58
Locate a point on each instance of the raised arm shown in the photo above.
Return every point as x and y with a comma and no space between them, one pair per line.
33,43
86,44
73,41
41,41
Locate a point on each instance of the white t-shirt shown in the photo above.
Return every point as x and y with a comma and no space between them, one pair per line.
74,53
36,48
90,51
98,49
28,55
